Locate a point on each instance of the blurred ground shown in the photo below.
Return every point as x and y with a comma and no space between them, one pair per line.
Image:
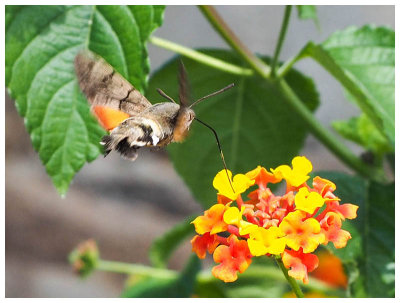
125,206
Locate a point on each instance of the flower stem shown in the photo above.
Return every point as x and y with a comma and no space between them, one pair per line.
229,36
281,39
129,269
200,57
324,136
293,283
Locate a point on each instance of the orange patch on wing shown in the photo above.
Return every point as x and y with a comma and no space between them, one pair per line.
109,118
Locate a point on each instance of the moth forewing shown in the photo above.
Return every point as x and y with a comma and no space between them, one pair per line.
103,86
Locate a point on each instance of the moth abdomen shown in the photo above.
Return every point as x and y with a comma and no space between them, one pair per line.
126,150
132,134
120,145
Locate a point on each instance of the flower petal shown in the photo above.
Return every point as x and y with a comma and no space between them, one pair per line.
299,263
331,226
234,258
261,176
240,184
212,221
263,241
308,201
296,176
202,244
305,234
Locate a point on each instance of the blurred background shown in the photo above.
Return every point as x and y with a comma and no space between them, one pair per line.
124,206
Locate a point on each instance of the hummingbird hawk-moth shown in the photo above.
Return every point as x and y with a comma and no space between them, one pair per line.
133,122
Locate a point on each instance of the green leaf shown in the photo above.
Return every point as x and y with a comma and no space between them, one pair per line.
306,12
362,60
361,131
41,43
164,246
254,126
372,246
180,287
378,229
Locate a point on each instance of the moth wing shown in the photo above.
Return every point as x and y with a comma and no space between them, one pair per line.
108,117
105,87
184,88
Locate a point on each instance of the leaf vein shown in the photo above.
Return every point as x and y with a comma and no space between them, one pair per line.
113,32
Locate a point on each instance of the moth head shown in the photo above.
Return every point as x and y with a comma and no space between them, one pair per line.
188,115
184,119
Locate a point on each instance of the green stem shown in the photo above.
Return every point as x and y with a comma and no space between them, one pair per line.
200,57
286,67
340,150
130,269
229,36
293,283
281,39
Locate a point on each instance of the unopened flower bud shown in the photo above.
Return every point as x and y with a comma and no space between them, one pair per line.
84,257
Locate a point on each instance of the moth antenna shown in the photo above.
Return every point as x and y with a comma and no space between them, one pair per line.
213,94
165,95
220,150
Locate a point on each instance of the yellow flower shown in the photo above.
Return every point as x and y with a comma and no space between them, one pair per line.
266,241
240,184
308,201
234,217
296,176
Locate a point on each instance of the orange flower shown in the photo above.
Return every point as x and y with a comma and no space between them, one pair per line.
261,176
325,188
305,234
212,221
345,211
300,264
223,200
330,270
331,227
202,244
233,258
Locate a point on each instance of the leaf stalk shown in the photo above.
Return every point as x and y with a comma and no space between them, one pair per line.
200,57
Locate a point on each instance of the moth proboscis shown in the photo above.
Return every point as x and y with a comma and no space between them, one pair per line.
132,121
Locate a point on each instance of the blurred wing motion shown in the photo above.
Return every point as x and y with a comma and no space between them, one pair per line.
184,89
113,98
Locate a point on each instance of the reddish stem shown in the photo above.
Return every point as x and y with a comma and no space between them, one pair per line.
233,230
239,201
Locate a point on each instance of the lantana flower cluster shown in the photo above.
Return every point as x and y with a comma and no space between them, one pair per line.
290,226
